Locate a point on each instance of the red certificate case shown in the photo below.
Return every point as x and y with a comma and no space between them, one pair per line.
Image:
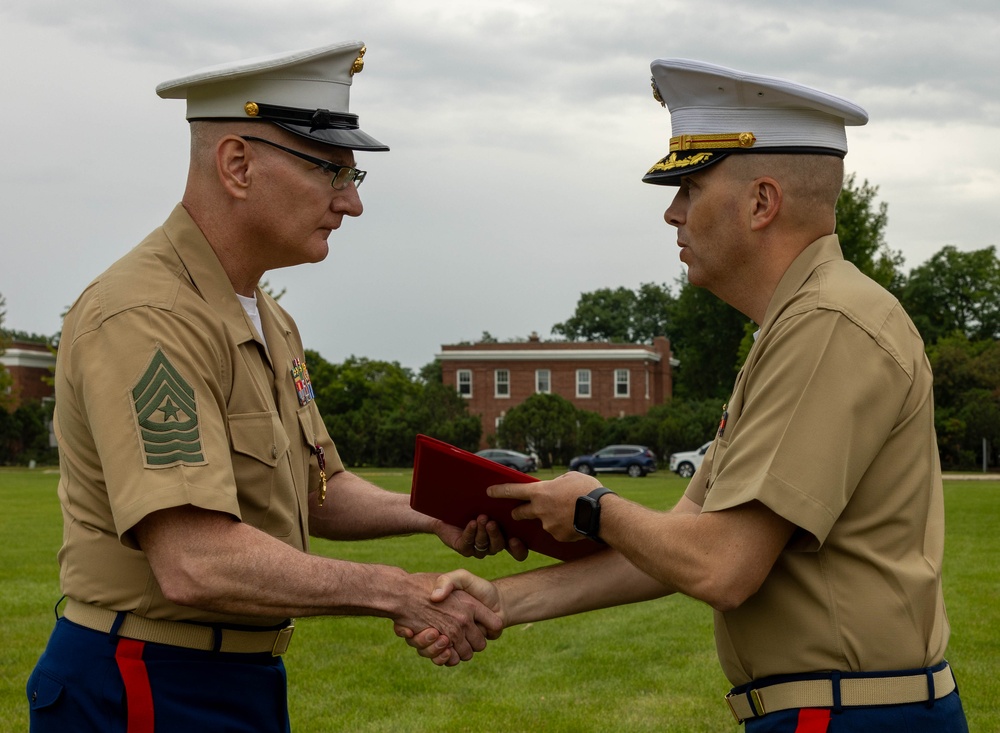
450,484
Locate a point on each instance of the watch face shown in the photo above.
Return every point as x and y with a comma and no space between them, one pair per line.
585,516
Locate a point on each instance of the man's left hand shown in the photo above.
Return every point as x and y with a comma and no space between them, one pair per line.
481,538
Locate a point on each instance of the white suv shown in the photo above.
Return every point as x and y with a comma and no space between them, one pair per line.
686,463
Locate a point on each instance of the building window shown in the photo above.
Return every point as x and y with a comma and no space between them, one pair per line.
583,383
621,382
501,383
465,382
543,381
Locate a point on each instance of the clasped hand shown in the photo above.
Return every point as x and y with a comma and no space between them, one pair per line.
551,502
481,538
437,646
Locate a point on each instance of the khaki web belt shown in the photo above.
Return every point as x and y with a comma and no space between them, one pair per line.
854,692
177,633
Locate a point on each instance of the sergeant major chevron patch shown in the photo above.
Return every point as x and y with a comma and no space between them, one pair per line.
167,415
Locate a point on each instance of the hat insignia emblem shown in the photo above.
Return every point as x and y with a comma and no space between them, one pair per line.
359,62
656,92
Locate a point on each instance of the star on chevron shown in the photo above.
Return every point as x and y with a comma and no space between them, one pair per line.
169,410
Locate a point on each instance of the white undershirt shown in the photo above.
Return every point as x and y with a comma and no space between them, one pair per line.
250,306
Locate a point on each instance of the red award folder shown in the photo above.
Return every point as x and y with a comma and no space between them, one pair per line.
450,484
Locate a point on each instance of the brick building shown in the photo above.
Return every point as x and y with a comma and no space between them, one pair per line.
613,380
29,365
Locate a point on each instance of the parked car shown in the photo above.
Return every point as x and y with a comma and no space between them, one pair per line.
635,460
511,459
684,464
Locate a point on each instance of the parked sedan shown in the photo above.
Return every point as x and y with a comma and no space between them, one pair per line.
635,460
686,463
511,459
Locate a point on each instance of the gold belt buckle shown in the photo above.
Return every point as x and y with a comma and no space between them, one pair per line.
282,640
729,702
756,705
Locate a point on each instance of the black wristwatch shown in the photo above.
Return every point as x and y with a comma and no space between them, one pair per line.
587,517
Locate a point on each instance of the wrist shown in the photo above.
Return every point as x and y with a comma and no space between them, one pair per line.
587,514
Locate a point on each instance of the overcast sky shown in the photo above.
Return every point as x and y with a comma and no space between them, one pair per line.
519,131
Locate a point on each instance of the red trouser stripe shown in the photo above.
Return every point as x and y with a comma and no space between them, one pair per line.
138,694
811,720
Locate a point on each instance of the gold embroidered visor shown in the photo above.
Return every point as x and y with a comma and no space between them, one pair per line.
689,153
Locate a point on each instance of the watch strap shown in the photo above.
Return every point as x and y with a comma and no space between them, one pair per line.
600,491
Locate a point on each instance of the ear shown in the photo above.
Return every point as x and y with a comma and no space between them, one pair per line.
767,198
232,164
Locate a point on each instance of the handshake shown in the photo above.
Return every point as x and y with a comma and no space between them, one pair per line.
448,618
474,603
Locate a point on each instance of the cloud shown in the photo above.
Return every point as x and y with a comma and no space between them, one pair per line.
519,132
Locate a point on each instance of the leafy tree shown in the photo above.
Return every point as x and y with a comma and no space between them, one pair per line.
24,434
652,312
955,292
358,400
861,231
431,372
678,425
442,413
685,424
706,339
375,409
591,432
545,423
966,397
619,315
603,315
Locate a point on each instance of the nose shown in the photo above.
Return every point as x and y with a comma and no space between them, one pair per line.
674,215
347,202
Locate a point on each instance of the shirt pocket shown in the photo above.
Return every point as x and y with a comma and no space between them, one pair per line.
264,484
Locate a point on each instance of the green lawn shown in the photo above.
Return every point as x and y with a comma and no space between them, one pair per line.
648,667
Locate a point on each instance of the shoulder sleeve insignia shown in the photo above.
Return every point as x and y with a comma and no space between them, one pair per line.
166,415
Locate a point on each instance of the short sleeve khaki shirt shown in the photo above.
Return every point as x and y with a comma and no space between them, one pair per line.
831,425
166,396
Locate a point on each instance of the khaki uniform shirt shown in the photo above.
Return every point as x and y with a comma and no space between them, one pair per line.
831,425
166,397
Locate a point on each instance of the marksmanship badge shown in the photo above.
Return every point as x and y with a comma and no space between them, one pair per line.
166,415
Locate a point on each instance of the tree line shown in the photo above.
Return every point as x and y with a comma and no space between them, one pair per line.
374,409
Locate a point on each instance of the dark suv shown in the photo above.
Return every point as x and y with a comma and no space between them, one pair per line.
635,460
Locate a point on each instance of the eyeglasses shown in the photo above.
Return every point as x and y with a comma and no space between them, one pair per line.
343,175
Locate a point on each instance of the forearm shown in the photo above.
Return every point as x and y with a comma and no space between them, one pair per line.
356,510
720,558
210,561
599,581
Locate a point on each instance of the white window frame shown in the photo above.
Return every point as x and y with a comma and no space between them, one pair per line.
505,382
547,374
619,373
584,384
460,382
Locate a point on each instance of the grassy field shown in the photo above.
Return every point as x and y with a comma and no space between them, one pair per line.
648,667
